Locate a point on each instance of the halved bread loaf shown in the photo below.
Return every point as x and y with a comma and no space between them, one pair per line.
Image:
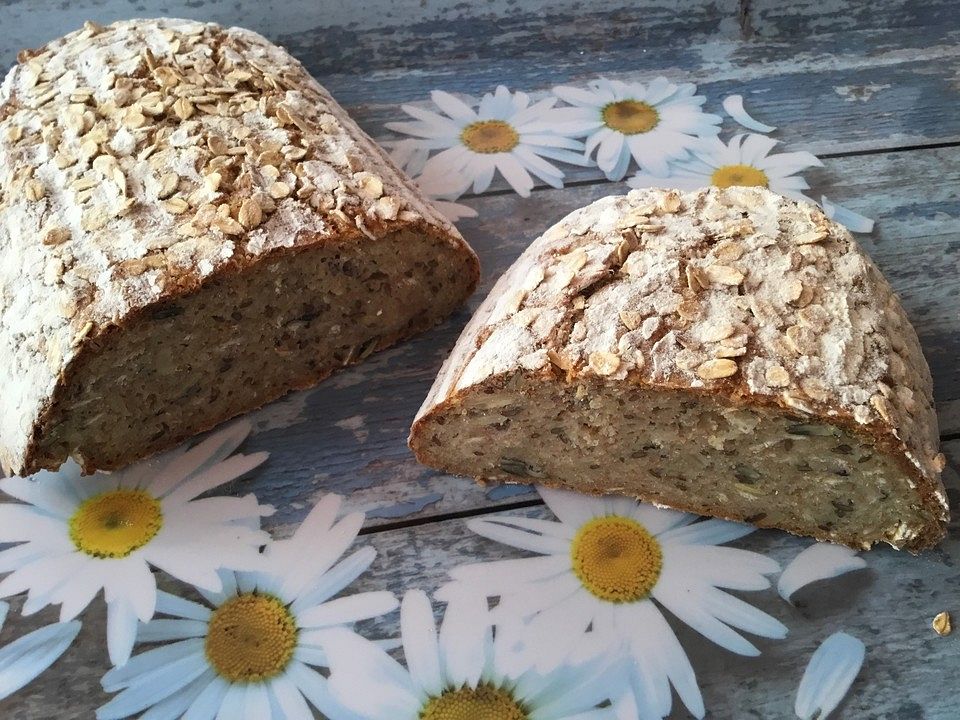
726,352
190,226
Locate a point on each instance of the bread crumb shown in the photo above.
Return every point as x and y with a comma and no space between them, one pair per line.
941,624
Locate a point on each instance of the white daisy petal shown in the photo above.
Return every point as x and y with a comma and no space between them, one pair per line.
349,609
452,106
150,689
172,605
206,705
463,636
691,612
487,575
421,646
653,639
209,452
231,706
49,496
724,567
159,630
735,612
21,522
855,222
820,561
335,579
707,532
290,699
828,676
659,520
25,658
369,682
733,106
515,174
213,477
173,707
145,663
121,630
493,530
256,703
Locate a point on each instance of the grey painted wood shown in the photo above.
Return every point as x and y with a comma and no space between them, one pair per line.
889,606
867,83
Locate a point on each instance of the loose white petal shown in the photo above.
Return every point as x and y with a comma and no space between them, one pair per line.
25,658
829,674
853,221
733,106
820,561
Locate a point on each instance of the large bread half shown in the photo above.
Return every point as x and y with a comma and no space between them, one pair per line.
191,226
726,352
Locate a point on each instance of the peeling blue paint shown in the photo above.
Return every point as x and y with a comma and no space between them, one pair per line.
502,492
403,509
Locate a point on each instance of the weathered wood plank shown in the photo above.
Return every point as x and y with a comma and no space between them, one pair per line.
889,606
372,34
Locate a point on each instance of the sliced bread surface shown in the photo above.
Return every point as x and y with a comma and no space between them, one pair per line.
728,352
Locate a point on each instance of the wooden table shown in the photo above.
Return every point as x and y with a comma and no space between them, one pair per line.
873,90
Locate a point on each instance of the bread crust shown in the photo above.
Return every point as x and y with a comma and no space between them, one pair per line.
626,291
143,160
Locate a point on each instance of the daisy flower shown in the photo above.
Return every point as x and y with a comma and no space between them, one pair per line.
653,123
23,659
604,572
247,653
78,535
504,133
454,674
745,160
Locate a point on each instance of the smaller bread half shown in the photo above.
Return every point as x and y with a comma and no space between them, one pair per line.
727,352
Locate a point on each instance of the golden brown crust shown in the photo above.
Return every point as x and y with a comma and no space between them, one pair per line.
739,293
189,151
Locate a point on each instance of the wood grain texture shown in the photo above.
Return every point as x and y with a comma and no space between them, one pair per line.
871,87
889,606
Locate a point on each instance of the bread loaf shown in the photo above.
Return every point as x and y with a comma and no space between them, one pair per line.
190,226
727,352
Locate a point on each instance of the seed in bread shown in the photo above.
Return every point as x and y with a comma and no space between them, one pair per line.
190,226
686,371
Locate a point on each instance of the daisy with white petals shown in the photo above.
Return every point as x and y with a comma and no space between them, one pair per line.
78,535
456,674
653,123
505,133
26,657
744,161
604,571
247,654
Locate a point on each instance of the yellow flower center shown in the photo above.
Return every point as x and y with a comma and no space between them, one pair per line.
251,638
630,117
616,559
745,175
490,136
483,703
115,523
